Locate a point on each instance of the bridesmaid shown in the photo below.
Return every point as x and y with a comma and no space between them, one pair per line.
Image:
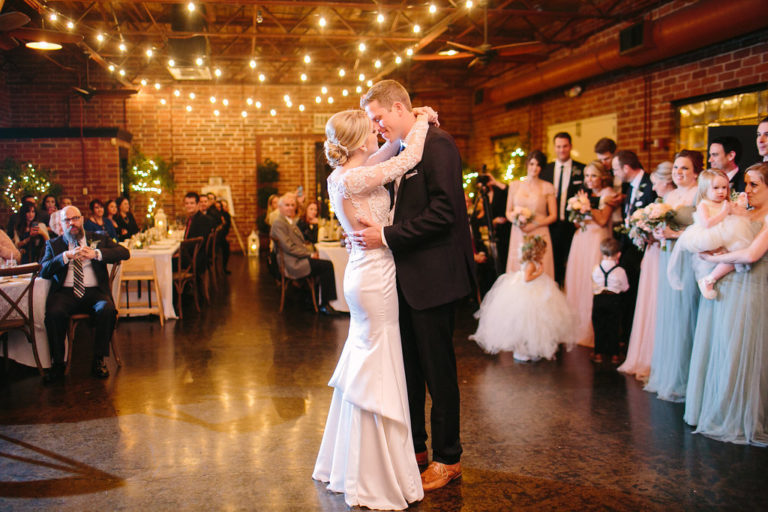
676,309
727,394
585,250
638,362
538,196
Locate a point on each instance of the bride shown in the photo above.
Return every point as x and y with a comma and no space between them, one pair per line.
367,450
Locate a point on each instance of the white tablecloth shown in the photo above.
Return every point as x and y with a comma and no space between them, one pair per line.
338,256
162,252
19,348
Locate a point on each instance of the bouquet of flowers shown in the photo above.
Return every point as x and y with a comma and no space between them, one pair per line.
644,221
740,200
579,209
521,216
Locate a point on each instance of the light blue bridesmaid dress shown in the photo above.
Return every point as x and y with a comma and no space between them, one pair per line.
676,313
727,395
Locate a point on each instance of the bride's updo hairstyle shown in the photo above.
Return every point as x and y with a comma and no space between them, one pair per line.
345,132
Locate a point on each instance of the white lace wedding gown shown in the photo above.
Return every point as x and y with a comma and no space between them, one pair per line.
367,450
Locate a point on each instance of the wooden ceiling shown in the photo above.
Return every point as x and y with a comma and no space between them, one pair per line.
277,36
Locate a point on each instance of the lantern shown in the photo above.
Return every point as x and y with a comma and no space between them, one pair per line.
161,222
253,244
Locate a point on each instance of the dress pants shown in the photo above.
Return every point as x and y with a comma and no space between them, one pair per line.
606,322
427,338
561,232
323,271
62,304
631,258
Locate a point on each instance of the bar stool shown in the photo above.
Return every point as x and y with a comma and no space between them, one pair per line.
140,269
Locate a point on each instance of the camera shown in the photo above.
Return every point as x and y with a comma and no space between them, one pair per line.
483,179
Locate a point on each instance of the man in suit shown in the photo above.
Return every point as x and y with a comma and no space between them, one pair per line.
567,175
198,225
640,194
762,138
76,263
434,266
725,155
301,261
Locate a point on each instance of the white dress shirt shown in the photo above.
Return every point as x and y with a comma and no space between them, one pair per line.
617,278
89,276
566,169
732,173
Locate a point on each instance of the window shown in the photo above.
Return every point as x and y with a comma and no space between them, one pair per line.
737,109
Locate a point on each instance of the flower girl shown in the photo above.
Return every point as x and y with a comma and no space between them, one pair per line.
525,312
716,225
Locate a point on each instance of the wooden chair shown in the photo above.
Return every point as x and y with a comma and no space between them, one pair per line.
285,281
140,269
14,318
75,320
210,252
186,270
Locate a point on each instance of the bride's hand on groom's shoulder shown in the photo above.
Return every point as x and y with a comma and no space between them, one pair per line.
429,112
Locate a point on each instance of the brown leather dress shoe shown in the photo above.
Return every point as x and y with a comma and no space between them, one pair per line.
422,459
437,475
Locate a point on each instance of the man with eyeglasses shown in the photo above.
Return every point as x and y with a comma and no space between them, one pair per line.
76,263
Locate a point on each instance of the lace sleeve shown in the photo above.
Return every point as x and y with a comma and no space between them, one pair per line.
385,152
362,180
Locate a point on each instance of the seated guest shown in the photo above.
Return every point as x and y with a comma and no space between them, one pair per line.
14,218
96,222
65,201
49,205
226,221
198,225
76,264
211,210
110,214
29,235
272,211
126,223
54,223
301,261
8,251
308,223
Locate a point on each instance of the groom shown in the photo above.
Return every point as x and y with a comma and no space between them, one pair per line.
431,246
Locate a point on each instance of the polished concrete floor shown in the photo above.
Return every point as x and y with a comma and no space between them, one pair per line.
224,410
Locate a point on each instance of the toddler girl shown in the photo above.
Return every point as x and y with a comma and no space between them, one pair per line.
717,223
525,312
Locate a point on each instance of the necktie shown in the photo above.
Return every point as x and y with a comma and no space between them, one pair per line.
559,193
79,284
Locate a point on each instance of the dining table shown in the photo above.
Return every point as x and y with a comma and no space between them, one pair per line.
162,251
338,255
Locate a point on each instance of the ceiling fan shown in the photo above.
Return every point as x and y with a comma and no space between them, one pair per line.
12,32
485,53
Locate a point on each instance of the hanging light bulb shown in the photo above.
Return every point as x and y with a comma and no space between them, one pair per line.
342,72
289,104
432,9
301,108
262,77
307,59
252,64
377,64
409,52
249,101
470,3
157,86
162,101
189,108
303,77
416,29
216,112
212,99
321,21
149,52
369,83
318,99
217,72
361,77
324,90
273,112
344,92
199,61
258,104
122,47
191,7
244,113
70,25
191,95
358,89
380,18
361,47
286,98
144,82
330,99
53,16
177,93
398,59
225,102
171,62
100,37
122,72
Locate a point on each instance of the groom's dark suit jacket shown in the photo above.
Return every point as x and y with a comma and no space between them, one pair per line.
429,237
53,266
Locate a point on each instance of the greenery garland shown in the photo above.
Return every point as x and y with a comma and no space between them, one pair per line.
20,179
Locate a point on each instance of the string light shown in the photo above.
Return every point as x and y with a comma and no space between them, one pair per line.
163,101
301,108
252,64
122,47
324,90
144,82
53,16
318,99
377,64
342,72
217,72
212,99
416,29
361,77
289,104
70,25
225,102
149,52
330,99
361,47
432,9
409,52
369,83
307,59
177,93
344,92
111,67
157,86
189,108
286,98
380,18
398,59
273,112
470,4
191,7
191,95
100,37
321,21
249,101
262,77
171,63
303,77
216,112
244,113
122,72
199,61
258,104
358,89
